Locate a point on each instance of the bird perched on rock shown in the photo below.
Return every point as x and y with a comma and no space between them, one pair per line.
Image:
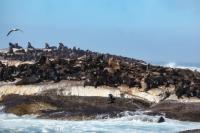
13,31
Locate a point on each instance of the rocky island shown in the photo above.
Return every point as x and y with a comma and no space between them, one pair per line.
74,84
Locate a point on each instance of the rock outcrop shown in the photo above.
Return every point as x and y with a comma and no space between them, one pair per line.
177,110
71,107
99,69
55,82
191,131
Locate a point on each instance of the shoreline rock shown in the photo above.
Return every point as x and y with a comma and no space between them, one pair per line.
27,99
52,106
55,82
62,107
177,110
191,131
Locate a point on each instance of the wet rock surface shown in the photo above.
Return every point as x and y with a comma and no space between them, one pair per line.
52,106
70,107
191,131
177,110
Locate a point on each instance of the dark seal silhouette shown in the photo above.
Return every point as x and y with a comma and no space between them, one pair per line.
161,119
29,80
111,98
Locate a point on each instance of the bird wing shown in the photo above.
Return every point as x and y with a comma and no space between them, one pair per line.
9,32
13,30
18,30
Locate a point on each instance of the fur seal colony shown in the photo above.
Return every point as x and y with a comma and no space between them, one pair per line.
56,64
95,69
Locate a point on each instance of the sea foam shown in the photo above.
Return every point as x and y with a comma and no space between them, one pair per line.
132,122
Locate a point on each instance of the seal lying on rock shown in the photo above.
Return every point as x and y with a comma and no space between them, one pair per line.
48,47
11,45
29,80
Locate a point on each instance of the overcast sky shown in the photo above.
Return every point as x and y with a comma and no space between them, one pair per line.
152,30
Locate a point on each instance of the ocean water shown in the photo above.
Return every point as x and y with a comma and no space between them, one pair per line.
132,122
191,66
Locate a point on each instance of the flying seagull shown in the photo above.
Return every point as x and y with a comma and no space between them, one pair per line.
13,31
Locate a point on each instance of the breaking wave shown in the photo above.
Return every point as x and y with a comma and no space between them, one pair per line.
192,67
130,122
